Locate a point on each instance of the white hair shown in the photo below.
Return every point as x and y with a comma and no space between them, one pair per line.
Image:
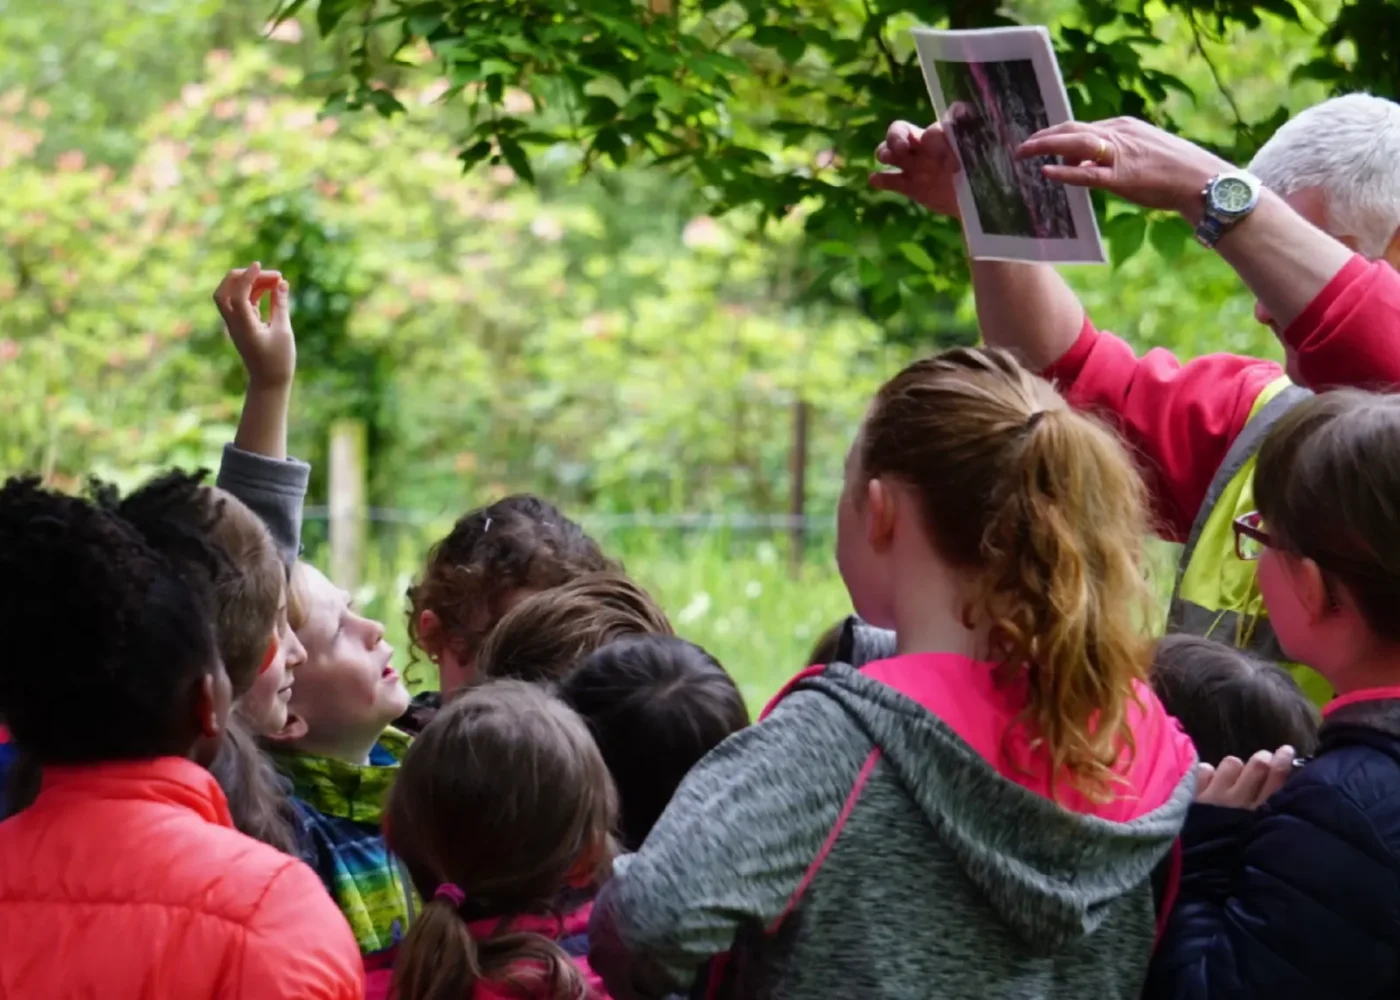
1348,148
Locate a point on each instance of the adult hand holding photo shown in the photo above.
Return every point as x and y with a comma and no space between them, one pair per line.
924,166
1130,158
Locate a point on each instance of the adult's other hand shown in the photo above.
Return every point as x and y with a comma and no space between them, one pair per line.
924,164
1130,158
1244,785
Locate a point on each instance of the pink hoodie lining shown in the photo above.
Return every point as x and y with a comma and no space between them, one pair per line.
964,693
1365,694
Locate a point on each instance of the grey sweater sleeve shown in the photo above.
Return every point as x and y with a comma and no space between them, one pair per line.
731,849
273,488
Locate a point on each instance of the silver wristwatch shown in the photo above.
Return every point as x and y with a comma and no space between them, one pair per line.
1228,197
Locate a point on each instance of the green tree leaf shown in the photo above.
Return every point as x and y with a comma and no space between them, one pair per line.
1169,235
1125,233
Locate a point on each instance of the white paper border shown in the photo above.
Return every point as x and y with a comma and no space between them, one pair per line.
1000,45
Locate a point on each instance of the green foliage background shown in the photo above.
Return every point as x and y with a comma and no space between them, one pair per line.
618,304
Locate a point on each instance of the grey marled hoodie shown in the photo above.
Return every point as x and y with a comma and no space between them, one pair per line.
948,880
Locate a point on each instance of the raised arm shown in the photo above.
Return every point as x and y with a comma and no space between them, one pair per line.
1283,258
1025,308
255,467
1178,419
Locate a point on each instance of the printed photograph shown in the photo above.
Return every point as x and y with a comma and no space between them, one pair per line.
992,108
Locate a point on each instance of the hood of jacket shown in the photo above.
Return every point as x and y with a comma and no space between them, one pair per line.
1049,867
356,792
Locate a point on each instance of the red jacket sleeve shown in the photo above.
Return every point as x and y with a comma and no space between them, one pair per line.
1350,334
1177,419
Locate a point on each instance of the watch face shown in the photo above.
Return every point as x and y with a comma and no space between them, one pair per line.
1232,195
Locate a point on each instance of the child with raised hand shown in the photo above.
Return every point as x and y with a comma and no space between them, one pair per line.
1291,874
134,882
660,693
494,557
335,745
978,815
502,804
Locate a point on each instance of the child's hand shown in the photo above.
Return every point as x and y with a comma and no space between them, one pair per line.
268,349
1244,785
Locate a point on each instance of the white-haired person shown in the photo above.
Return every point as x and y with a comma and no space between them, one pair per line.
1312,228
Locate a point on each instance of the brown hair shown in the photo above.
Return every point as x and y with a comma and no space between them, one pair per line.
1042,505
1328,484
656,705
248,597
546,635
521,543
257,800
298,601
1229,703
828,646
502,797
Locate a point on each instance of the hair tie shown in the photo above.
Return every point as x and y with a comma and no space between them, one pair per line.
448,892
1034,420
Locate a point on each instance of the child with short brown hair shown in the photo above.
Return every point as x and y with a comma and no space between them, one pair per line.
546,635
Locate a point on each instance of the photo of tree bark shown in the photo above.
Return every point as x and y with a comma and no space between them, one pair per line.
992,108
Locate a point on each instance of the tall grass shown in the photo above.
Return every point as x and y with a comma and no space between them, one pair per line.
732,592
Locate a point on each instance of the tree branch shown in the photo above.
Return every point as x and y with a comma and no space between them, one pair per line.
1214,71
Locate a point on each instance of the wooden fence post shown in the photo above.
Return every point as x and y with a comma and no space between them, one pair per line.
348,515
797,500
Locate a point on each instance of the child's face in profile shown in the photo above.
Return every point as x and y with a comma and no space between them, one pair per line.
347,688
264,707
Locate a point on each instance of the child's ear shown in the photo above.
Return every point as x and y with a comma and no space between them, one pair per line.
879,523
213,698
429,632
1310,586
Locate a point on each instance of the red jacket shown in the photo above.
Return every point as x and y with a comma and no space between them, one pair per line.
1181,419
127,881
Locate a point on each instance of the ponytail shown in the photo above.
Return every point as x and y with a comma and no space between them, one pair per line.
440,959
1065,593
1042,506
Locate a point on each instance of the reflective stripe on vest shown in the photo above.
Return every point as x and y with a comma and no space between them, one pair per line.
1216,593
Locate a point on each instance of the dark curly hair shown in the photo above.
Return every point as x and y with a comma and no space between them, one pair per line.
106,605
521,543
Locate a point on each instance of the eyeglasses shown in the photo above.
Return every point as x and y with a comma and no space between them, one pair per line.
1250,537
269,656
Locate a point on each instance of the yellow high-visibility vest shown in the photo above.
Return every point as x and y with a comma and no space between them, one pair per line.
1217,593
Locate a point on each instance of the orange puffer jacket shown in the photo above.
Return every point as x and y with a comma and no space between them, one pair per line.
127,880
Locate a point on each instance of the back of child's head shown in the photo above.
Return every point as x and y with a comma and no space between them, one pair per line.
107,606
492,555
547,634
827,648
1229,703
1328,489
1039,513
656,705
500,805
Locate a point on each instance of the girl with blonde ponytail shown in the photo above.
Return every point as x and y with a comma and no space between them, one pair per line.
978,814
502,814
